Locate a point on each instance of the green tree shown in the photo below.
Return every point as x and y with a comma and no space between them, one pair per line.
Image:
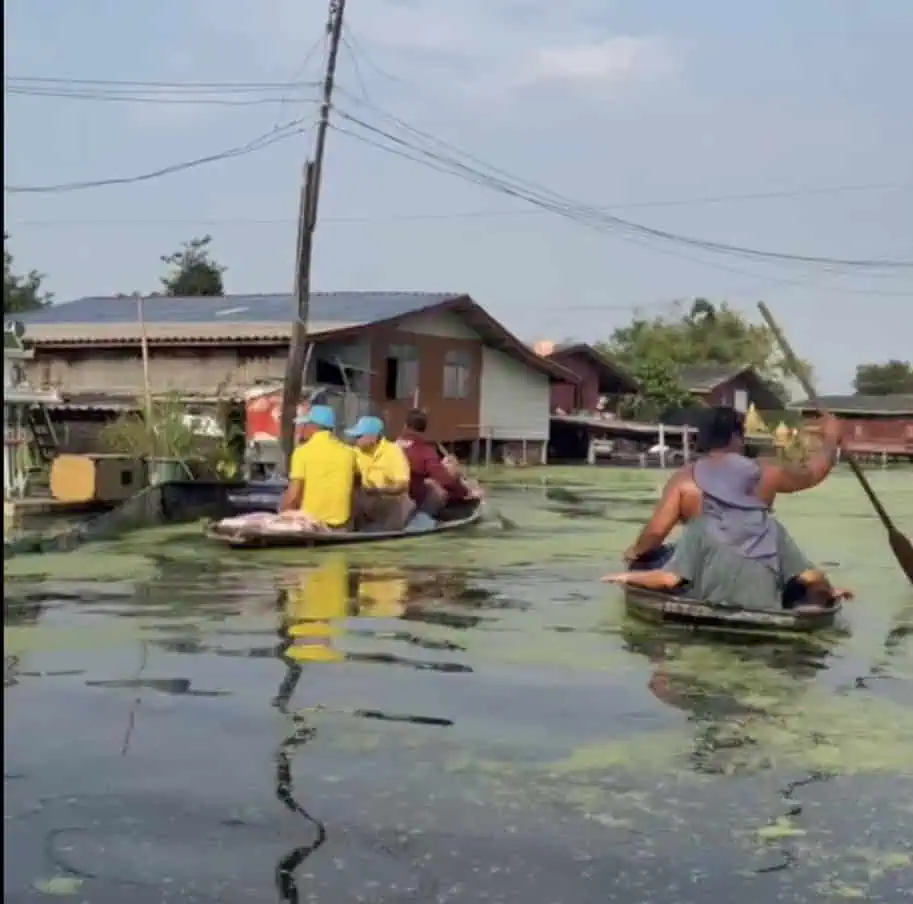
21,293
662,391
192,271
702,333
891,378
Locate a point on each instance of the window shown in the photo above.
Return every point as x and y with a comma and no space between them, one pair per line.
740,401
457,370
401,373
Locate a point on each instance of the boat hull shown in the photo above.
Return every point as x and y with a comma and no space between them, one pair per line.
453,519
667,609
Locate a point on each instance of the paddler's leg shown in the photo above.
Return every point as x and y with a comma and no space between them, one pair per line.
808,588
710,571
649,580
683,567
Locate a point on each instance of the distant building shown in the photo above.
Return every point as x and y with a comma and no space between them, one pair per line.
738,387
601,382
443,352
875,425
21,405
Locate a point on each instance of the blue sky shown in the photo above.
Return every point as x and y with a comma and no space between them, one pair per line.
613,104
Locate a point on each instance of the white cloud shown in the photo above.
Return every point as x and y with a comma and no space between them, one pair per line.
608,62
463,47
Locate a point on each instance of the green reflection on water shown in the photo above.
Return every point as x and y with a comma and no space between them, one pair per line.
512,604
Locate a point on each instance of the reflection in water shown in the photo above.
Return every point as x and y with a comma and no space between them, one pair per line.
312,608
320,600
286,883
670,797
727,701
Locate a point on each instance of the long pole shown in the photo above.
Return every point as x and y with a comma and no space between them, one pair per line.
144,354
147,383
307,221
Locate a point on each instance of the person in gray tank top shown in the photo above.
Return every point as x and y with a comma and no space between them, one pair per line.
732,551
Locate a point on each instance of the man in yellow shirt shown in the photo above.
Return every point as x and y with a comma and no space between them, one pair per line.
324,473
383,500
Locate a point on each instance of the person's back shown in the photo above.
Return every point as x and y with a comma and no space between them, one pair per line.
432,484
733,513
322,473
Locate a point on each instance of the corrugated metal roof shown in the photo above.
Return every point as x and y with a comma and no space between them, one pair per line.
899,405
329,310
705,378
261,318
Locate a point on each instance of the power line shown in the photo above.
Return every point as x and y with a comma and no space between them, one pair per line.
633,239
162,99
459,215
549,200
157,85
274,136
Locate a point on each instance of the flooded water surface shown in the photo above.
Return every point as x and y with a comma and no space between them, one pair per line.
468,719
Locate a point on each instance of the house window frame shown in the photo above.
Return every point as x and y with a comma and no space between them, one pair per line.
408,371
457,374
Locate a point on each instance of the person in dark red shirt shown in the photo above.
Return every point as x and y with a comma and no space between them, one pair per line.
432,483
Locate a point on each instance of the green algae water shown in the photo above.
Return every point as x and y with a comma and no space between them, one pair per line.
461,720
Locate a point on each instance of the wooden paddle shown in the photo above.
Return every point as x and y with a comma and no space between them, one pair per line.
900,544
506,523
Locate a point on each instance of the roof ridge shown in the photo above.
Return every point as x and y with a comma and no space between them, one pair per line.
361,293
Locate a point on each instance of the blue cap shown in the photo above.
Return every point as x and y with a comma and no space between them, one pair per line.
320,416
366,426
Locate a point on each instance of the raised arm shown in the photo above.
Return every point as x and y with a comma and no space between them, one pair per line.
796,478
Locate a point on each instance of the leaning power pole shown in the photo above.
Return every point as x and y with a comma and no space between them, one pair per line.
307,222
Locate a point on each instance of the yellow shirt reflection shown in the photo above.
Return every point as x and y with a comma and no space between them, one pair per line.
382,593
314,608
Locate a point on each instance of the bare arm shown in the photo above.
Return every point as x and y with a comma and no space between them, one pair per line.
796,478
667,515
291,498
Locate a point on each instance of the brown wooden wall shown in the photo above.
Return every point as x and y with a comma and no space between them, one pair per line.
758,394
875,433
205,370
585,396
449,420
197,369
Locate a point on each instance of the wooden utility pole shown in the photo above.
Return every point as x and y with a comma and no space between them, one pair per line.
307,221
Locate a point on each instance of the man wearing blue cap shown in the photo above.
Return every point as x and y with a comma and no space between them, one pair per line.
324,472
383,502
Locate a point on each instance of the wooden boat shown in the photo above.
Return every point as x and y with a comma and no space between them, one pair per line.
454,518
670,609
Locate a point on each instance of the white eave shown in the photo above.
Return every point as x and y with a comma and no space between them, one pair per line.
25,395
18,354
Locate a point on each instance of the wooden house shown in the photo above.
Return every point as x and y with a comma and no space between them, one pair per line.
442,352
601,382
874,425
738,387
